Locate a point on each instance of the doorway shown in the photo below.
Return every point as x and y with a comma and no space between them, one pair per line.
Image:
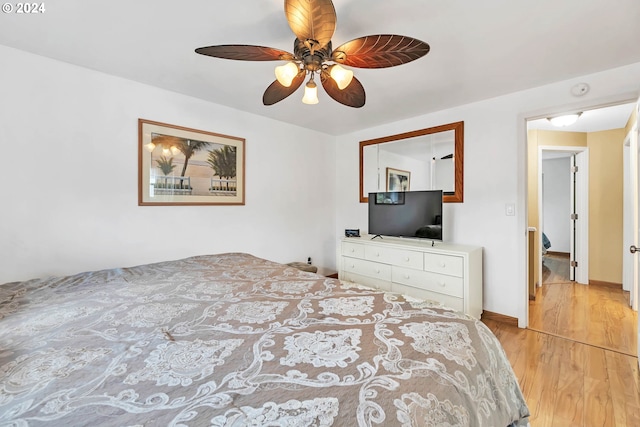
563,207
573,318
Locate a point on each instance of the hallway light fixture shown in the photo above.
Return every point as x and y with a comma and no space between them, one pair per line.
565,119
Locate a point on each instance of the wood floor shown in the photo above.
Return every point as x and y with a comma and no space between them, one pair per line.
593,314
567,383
578,368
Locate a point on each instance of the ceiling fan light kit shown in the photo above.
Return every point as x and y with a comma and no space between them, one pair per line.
310,92
313,22
341,75
286,73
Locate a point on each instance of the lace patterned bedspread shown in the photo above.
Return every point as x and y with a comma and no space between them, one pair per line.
232,339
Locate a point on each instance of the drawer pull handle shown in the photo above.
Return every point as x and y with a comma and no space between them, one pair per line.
377,271
353,266
442,264
353,250
443,284
407,259
406,276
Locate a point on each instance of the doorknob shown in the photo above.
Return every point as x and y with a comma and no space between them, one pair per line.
633,249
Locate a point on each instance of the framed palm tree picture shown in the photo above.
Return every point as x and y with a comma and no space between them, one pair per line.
182,166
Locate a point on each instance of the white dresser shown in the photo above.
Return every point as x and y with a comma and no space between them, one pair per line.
451,274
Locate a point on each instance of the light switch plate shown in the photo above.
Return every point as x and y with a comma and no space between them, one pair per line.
510,209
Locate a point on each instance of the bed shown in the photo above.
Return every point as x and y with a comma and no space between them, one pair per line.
234,340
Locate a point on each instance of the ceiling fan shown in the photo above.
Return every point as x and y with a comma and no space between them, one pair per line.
313,22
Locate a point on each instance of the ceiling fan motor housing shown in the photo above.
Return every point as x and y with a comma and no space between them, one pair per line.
312,59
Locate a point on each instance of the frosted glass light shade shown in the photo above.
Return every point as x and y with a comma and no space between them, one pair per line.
174,150
150,147
166,152
310,93
286,73
341,76
565,120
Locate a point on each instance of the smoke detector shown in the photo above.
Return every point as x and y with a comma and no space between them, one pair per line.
580,89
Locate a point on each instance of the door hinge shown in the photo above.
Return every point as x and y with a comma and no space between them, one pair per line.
574,216
574,263
574,169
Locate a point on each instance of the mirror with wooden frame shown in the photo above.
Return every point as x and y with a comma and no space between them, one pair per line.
424,159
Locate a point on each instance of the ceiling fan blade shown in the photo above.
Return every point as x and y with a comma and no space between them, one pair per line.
276,92
311,19
380,51
351,96
244,52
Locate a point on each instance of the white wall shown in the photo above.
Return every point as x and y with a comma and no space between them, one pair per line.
557,202
68,139
494,175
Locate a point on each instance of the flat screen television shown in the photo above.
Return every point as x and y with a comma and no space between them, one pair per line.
416,214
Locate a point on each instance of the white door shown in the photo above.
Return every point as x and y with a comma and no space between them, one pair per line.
573,220
581,177
628,259
635,150
634,177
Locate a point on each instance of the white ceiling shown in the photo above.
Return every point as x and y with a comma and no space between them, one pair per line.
479,49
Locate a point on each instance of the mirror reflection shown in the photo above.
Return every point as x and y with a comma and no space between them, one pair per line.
427,159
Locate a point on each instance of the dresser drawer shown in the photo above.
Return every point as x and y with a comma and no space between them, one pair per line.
401,257
353,250
445,264
449,301
383,285
367,268
441,283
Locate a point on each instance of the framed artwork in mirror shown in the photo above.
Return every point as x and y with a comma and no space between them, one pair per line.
398,180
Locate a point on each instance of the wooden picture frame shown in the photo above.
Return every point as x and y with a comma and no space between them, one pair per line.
180,166
398,180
